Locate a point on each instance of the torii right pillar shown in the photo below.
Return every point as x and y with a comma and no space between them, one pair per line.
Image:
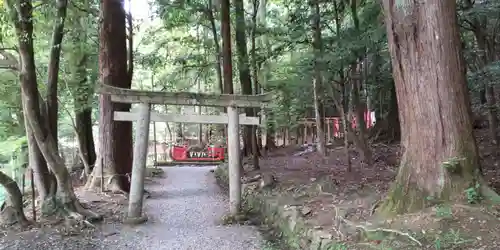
234,161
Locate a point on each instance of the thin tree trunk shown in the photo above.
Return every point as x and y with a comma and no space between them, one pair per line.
244,71
53,67
83,121
218,56
64,200
318,76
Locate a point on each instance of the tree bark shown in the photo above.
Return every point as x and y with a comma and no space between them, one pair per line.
64,201
227,64
218,56
53,67
12,211
218,69
318,76
359,109
244,70
256,142
115,137
440,159
38,164
84,127
486,55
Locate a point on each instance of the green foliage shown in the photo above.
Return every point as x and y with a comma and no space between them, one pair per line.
452,239
453,164
13,148
473,194
444,211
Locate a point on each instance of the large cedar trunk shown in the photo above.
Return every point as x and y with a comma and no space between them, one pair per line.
227,64
440,159
115,137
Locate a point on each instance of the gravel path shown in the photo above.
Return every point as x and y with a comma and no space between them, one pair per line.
184,212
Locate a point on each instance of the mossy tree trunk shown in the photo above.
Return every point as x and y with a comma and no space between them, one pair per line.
434,107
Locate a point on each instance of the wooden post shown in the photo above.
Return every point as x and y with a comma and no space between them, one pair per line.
33,197
286,136
304,136
154,141
234,160
329,130
263,131
139,165
102,174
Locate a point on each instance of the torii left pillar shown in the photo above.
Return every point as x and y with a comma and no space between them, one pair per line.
134,215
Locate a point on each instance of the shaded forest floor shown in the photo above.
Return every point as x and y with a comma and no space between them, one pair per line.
57,233
343,202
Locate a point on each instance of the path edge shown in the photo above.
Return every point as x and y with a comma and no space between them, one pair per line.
285,220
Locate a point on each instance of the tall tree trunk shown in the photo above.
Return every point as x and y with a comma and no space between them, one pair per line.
218,67
53,67
267,136
227,65
440,158
486,56
341,104
318,76
64,201
82,89
115,137
256,88
359,109
244,70
218,57
52,109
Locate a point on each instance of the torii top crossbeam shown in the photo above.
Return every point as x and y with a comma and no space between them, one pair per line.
123,95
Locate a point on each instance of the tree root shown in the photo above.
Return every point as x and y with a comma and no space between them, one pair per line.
10,216
379,229
72,209
489,195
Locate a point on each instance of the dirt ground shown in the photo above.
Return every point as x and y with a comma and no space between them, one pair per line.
343,202
57,233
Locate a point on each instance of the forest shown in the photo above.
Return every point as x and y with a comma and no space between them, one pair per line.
383,123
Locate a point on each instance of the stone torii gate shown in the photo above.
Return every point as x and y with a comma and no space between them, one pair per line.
143,116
